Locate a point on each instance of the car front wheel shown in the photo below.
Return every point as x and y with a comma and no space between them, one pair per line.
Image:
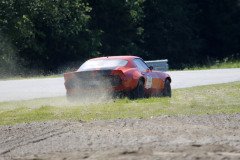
167,89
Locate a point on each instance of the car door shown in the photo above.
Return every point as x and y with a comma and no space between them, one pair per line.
151,79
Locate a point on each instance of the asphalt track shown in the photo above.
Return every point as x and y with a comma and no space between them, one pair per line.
51,87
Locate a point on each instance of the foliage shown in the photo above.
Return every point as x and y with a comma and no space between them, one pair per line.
190,32
118,24
221,98
219,23
7,57
48,34
169,31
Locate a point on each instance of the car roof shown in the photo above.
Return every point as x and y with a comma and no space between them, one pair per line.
115,57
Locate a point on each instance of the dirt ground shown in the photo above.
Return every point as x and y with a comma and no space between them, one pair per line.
171,137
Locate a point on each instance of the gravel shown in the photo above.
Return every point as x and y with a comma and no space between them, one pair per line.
172,137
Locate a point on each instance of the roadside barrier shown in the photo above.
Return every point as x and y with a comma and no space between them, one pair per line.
160,65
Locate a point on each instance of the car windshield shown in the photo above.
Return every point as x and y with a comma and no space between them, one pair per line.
103,64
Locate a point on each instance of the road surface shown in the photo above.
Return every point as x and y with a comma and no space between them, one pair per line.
51,87
185,79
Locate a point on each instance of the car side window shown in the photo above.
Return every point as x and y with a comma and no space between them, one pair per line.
140,64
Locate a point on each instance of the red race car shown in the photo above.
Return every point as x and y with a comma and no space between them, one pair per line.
122,75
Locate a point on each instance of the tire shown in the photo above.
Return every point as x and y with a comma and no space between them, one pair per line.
167,92
138,92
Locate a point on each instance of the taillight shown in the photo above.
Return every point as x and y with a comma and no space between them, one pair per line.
116,80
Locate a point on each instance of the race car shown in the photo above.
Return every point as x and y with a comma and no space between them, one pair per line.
122,75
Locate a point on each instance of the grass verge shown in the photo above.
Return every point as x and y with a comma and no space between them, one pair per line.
221,98
217,65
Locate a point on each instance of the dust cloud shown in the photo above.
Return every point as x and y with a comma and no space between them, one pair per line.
7,57
91,98
90,90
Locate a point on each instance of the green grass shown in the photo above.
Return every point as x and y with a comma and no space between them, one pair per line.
217,65
222,98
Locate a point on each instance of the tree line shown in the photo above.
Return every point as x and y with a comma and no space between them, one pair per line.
45,35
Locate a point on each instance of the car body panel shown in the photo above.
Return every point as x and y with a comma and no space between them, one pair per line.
124,78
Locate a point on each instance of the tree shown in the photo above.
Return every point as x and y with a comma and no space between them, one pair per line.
7,57
219,26
117,23
169,32
191,32
47,33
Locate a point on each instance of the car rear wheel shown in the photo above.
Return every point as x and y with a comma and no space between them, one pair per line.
138,92
167,92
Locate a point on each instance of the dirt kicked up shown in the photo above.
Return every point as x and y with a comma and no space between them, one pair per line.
171,137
